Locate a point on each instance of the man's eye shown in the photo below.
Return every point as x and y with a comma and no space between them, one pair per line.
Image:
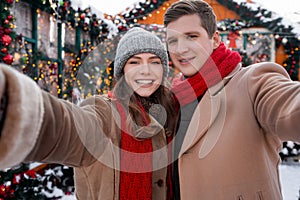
192,36
170,42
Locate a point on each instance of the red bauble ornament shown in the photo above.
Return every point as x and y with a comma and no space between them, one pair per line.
8,59
6,21
4,50
7,31
6,40
10,1
10,17
2,190
82,16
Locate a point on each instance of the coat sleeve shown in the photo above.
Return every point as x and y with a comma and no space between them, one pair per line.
276,100
40,127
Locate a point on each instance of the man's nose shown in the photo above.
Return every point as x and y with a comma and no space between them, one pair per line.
181,47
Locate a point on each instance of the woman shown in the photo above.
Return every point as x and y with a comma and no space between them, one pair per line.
117,145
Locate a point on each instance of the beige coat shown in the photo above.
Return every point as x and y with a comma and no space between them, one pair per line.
232,143
40,127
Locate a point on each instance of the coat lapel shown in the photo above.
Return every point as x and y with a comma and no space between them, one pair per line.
204,115
214,130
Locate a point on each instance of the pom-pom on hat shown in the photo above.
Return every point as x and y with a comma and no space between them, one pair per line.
135,41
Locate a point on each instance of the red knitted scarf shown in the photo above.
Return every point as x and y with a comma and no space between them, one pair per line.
221,62
135,164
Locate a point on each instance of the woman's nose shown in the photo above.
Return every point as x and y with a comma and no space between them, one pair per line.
145,69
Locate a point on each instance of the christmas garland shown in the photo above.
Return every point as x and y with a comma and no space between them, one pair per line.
6,31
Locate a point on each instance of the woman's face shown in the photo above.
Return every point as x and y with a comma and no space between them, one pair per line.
144,73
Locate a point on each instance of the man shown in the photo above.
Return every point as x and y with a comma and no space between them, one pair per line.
233,120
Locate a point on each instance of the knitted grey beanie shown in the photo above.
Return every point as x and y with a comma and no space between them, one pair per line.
138,40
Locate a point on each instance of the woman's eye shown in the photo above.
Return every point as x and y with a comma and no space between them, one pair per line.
156,62
133,62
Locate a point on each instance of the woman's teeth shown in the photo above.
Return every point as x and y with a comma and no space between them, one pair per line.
144,81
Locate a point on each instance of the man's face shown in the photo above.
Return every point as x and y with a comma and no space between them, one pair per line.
189,44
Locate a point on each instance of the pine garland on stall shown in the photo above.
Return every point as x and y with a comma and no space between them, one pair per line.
23,183
6,31
20,183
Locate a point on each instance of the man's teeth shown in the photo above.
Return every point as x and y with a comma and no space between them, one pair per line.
144,81
184,60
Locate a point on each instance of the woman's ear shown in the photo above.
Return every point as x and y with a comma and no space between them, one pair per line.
216,39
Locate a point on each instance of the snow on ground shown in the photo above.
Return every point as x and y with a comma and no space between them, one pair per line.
290,182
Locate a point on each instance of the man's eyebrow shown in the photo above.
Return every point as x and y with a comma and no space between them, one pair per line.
191,32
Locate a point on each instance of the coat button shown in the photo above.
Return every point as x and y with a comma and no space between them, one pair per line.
160,183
